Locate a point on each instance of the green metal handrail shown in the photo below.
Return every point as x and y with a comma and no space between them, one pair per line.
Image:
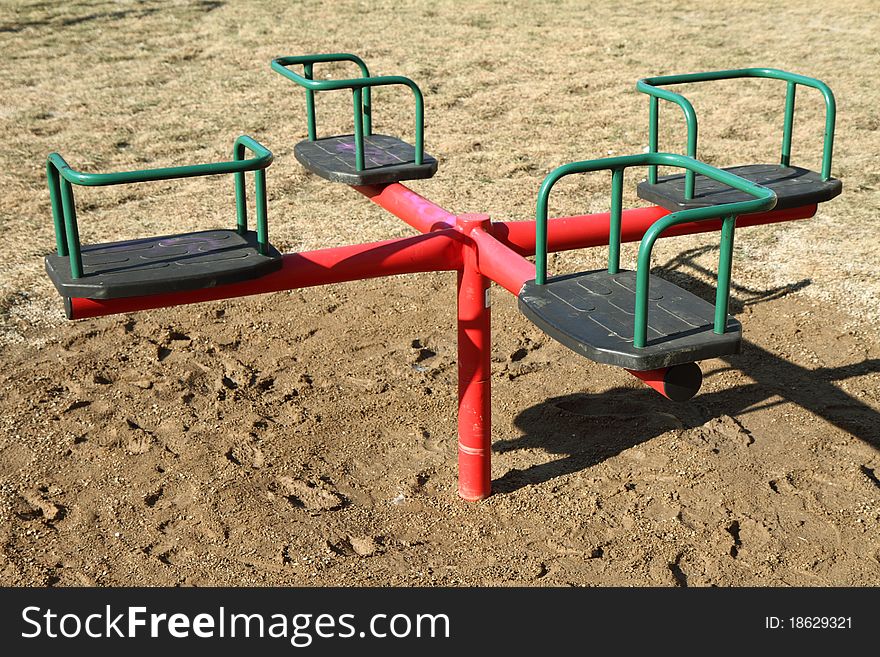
62,177
308,62
360,88
765,199
650,86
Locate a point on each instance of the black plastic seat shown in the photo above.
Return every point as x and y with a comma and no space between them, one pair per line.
592,313
386,159
156,265
383,159
168,263
794,187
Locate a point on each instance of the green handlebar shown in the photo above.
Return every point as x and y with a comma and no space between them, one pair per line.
308,62
360,88
61,178
764,199
322,58
262,160
652,87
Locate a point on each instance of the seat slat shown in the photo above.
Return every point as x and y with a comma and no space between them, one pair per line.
592,313
386,160
169,263
794,187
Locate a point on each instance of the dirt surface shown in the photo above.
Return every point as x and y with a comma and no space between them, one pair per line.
308,437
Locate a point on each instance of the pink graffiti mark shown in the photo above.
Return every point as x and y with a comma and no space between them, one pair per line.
374,153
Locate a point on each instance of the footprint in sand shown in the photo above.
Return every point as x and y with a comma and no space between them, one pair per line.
313,494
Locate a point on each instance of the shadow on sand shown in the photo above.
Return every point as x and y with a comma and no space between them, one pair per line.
585,429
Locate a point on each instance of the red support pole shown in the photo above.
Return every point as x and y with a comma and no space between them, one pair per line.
474,373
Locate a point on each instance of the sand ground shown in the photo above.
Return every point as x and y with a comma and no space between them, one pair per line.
309,437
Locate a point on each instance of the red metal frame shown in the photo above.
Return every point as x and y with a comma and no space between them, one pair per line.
439,251
480,252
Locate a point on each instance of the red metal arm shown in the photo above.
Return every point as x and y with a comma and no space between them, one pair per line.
436,252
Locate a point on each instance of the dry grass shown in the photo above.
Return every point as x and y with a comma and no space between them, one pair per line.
511,92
